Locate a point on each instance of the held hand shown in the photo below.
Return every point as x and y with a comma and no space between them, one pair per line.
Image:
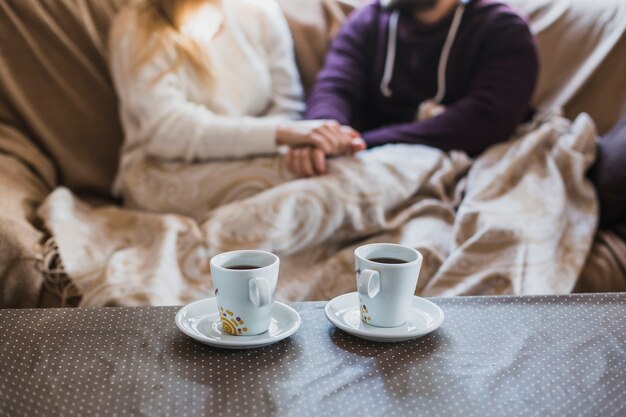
306,161
326,135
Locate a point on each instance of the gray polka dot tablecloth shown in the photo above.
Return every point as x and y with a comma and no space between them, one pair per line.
493,356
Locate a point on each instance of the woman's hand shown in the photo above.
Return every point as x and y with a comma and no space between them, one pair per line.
326,135
308,161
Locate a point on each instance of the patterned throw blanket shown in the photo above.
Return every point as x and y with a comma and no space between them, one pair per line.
519,219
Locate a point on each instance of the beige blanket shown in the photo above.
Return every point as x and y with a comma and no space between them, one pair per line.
520,219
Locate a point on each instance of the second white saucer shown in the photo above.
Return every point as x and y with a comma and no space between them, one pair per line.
343,312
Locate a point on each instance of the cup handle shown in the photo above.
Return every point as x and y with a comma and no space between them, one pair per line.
260,293
368,283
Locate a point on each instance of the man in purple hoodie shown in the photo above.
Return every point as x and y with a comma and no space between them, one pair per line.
452,74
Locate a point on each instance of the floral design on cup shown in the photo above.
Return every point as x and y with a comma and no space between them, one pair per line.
231,324
365,315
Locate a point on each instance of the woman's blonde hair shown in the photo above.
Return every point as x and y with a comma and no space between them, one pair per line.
161,25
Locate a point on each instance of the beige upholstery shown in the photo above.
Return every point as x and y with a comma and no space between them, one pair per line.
53,75
56,96
313,25
22,190
582,46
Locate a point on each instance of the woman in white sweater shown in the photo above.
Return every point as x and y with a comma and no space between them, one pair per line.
201,81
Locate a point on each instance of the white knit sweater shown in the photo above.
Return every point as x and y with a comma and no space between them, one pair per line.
180,118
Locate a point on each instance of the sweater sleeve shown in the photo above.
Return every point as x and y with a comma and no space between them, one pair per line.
287,92
170,125
339,90
497,101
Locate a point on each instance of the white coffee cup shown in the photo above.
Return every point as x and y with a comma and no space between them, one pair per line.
386,289
245,285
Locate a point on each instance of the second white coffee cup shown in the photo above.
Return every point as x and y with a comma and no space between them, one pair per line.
386,276
245,285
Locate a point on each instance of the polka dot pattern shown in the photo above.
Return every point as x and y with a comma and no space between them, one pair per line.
493,356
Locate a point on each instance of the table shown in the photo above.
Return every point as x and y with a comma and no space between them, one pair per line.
493,356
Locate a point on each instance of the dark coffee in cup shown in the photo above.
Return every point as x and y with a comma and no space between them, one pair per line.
241,267
388,260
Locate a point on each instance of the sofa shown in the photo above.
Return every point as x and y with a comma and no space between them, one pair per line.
59,119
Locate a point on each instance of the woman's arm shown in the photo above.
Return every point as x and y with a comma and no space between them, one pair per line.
170,124
157,113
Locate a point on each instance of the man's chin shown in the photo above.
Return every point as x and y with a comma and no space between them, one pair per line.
409,5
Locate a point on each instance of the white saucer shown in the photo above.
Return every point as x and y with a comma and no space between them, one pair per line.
201,321
343,312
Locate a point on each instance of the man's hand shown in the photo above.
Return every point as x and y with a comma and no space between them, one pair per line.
307,161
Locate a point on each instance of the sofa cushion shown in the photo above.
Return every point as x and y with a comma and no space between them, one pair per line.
313,25
582,49
55,81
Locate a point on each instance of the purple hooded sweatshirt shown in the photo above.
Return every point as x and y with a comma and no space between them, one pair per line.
489,77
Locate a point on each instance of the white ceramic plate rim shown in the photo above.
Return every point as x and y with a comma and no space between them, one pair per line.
246,341
377,334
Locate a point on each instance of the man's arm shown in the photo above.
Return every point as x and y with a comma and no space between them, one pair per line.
497,100
339,89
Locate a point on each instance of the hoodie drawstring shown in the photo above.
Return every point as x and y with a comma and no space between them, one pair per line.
443,59
445,53
391,54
